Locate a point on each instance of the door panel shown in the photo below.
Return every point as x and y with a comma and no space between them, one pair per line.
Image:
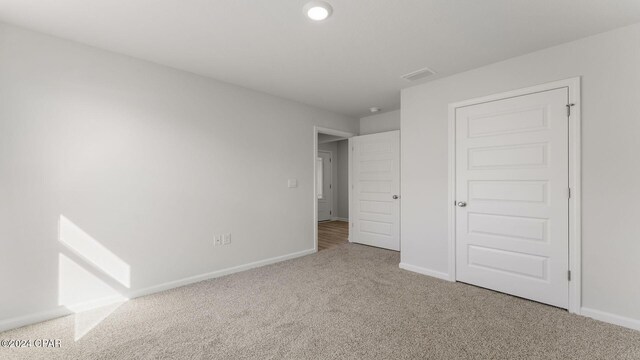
512,172
325,204
376,179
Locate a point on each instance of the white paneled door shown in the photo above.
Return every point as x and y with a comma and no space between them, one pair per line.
325,197
376,190
512,207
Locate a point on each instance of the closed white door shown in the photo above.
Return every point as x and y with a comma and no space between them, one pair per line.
512,209
325,197
376,190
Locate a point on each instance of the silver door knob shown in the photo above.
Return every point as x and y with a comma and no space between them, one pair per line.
395,197
462,204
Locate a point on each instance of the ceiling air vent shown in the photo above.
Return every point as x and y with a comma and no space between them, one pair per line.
418,74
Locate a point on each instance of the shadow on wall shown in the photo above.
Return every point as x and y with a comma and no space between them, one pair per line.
91,278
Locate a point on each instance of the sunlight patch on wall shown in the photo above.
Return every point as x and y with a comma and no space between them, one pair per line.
80,290
91,250
83,283
85,294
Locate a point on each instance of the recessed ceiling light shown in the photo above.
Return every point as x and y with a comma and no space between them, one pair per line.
374,109
318,10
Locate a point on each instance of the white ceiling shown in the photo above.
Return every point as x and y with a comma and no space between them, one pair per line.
347,64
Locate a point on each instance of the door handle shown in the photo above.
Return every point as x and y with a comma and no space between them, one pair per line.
396,197
462,204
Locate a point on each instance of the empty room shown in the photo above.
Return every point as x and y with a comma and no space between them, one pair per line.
339,179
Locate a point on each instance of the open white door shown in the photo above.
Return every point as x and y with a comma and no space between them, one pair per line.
375,197
512,166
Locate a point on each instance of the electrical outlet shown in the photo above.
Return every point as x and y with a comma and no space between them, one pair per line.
217,240
226,240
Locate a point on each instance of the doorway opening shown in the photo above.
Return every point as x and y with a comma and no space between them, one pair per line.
331,188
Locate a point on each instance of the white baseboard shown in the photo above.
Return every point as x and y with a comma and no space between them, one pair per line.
592,313
96,303
215,274
35,318
611,318
60,311
425,271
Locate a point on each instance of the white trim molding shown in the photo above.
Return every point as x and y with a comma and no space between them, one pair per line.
575,237
217,273
60,311
425,271
35,318
611,318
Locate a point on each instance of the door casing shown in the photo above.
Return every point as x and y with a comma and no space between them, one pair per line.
575,238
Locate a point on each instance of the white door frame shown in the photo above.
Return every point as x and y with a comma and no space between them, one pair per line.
322,130
331,202
575,237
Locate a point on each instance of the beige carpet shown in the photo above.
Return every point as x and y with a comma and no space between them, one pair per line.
350,302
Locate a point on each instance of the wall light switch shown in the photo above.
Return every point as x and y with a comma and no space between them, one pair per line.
293,183
226,239
217,240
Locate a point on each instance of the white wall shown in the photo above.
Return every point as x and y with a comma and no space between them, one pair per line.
378,123
147,161
340,176
608,64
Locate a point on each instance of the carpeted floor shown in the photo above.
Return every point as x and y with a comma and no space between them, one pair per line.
349,302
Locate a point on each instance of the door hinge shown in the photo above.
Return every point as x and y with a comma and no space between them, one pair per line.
330,160
569,275
568,193
329,186
569,109
330,212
